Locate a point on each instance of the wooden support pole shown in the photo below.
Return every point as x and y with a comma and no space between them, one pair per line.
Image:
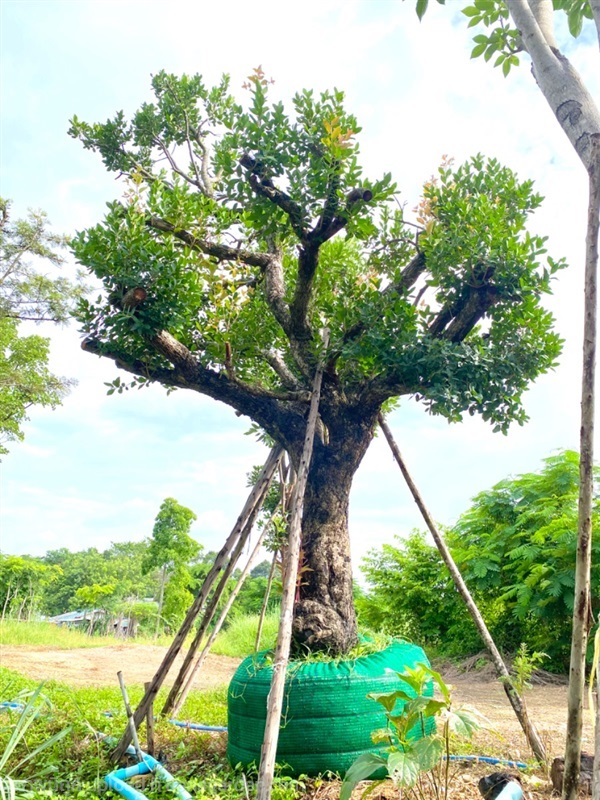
130,722
265,476
149,725
284,638
516,701
219,624
210,611
265,603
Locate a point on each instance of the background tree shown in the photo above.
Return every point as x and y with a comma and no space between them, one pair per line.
26,294
516,549
244,231
23,583
171,549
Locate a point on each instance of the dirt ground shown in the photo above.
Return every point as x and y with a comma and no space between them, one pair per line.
98,667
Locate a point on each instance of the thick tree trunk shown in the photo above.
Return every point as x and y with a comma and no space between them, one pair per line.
324,615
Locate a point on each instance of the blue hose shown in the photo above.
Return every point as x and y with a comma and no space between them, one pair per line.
488,760
116,780
11,706
194,726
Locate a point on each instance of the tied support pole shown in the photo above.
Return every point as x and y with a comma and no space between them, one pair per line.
516,701
284,638
157,681
219,624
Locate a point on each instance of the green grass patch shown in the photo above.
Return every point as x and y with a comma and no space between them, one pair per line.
238,639
58,637
74,767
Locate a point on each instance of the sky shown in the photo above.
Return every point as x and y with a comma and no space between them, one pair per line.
96,470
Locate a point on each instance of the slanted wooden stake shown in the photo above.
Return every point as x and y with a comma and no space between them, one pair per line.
149,725
265,477
219,624
516,701
132,727
188,662
285,476
265,602
284,637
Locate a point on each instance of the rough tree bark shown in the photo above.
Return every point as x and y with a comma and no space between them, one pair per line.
324,615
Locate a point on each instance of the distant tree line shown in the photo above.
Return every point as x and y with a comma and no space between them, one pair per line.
152,581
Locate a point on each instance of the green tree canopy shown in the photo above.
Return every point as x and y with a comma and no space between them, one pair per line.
246,229
515,548
29,295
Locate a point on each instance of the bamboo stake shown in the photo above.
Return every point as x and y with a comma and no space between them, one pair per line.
219,624
265,476
149,725
131,723
265,602
516,701
282,651
211,609
284,475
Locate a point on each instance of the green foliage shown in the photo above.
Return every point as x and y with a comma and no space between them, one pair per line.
120,565
503,40
523,667
238,638
416,766
171,544
170,236
72,765
25,379
26,294
16,754
412,595
515,548
519,542
23,581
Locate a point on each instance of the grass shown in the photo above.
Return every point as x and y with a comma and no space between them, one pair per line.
74,767
237,640
47,634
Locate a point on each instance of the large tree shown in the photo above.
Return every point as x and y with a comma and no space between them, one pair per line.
246,230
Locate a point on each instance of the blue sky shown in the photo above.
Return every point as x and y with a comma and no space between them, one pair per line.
97,469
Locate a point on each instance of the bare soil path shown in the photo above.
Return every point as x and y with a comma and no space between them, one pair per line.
98,667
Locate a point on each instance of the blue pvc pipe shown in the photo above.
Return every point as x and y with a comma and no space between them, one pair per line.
195,726
122,788
489,760
11,706
116,780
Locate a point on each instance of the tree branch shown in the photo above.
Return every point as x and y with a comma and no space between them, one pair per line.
263,185
409,275
543,12
278,365
280,414
321,234
194,182
219,251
